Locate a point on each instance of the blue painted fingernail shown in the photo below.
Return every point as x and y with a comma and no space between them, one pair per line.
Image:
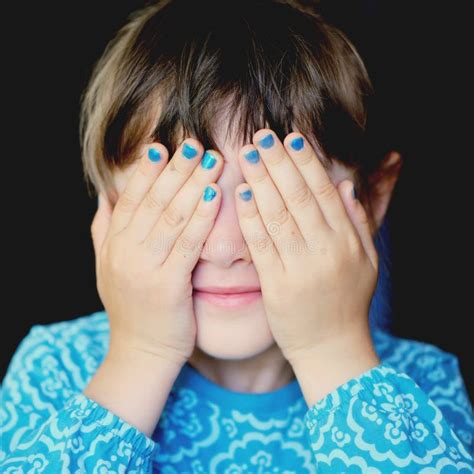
208,161
267,142
154,155
209,194
297,143
253,156
189,151
246,195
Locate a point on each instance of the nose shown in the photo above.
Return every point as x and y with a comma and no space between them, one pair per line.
225,243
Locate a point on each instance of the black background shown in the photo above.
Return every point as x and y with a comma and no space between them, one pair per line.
417,54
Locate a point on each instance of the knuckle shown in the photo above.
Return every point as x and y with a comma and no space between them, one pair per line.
151,203
280,217
126,202
260,178
143,169
179,167
172,217
277,159
186,243
202,212
262,244
156,244
326,190
301,196
250,213
123,266
196,180
304,159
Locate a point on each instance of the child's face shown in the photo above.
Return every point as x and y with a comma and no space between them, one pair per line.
229,332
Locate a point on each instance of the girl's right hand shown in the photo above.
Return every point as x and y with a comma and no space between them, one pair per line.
147,247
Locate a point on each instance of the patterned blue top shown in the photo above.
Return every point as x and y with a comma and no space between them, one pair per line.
409,414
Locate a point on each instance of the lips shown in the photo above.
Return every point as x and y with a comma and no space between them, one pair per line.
221,290
228,297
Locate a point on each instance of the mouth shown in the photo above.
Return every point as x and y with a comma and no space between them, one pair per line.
228,297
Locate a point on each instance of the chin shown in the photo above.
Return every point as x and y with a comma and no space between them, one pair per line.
232,335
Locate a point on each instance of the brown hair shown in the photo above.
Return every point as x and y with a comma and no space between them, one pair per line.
178,64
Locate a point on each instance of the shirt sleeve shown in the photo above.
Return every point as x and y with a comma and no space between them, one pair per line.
49,425
381,422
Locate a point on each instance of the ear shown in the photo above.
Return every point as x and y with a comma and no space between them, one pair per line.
381,185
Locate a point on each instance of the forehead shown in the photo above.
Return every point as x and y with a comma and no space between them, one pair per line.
227,138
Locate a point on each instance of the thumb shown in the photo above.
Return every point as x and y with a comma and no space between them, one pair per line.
100,223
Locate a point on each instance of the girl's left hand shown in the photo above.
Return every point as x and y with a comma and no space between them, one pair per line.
312,247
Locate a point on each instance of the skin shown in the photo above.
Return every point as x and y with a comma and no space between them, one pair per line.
312,328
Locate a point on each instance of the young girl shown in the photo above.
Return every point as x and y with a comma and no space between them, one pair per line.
234,242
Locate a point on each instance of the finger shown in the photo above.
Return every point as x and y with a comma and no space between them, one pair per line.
176,216
359,219
261,246
278,221
293,188
319,182
100,225
188,247
150,165
179,170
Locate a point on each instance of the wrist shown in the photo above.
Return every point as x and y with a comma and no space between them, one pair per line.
332,363
134,385
147,362
130,353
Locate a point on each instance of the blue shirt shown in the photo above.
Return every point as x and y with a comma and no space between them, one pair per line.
409,414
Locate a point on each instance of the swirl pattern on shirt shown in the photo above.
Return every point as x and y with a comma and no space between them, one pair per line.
410,414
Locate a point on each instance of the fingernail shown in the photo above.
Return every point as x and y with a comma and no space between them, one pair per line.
208,161
154,155
252,156
354,192
267,142
246,195
189,151
209,194
297,143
